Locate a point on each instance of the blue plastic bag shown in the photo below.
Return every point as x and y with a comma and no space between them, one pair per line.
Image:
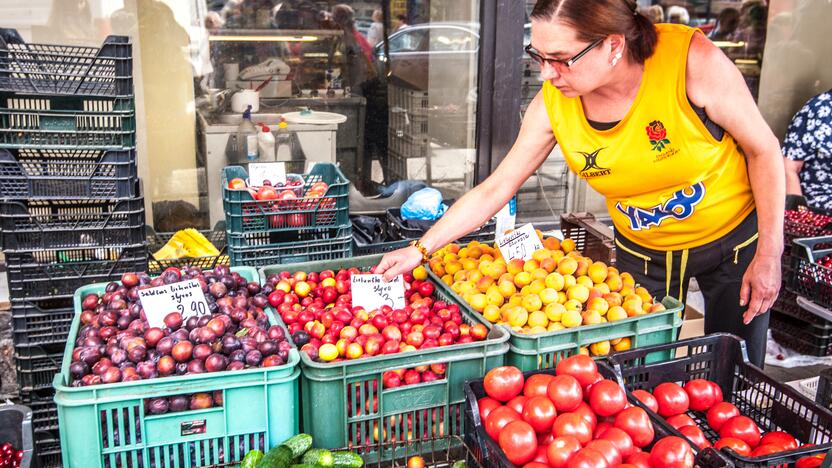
426,204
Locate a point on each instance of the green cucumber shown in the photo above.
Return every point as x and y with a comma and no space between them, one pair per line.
284,454
460,464
321,457
252,459
347,460
298,444
305,465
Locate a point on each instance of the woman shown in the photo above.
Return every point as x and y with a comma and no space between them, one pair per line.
650,116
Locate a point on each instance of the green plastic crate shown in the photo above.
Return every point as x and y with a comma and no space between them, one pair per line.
338,399
105,425
245,215
331,244
544,350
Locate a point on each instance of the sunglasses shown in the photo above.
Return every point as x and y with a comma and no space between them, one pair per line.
541,60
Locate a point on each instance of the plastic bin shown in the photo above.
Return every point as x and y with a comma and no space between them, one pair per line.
53,273
808,278
43,322
823,397
722,358
338,398
156,240
414,102
592,238
16,427
404,122
379,248
545,350
48,449
337,243
36,366
402,229
67,69
408,146
38,225
44,411
244,215
259,412
67,123
67,174
797,335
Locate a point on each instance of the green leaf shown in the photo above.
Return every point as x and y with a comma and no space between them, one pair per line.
666,141
241,332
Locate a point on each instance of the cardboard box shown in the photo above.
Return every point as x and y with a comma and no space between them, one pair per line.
693,325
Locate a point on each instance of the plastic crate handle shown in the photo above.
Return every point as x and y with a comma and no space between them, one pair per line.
807,245
827,462
813,308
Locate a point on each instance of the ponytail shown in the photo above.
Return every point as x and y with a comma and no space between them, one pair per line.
642,43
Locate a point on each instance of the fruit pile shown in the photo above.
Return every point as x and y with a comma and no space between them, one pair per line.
806,223
419,374
288,196
297,451
177,403
317,309
558,288
575,418
703,398
9,456
116,344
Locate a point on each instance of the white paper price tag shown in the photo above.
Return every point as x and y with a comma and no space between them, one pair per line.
371,292
185,297
520,243
274,172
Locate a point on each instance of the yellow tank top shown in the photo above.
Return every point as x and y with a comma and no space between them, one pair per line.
669,184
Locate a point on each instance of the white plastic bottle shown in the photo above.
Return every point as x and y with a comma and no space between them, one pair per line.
265,143
247,139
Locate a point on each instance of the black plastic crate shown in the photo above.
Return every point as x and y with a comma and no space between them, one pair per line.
722,358
808,278
157,240
36,225
60,272
824,395
488,452
44,410
43,322
37,366
48,448
592,238
248,252
799,310
798,336
67,122
66,69
414,229
16,428
60,174
379,247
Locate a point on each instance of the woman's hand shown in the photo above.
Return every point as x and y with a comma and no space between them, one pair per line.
399,261
761,281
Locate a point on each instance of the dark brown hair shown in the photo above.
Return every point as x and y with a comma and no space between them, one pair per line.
596,19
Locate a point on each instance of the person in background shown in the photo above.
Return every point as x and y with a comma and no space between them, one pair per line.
808,152
655,13
726,24
376,33
401,22
678,15
752,30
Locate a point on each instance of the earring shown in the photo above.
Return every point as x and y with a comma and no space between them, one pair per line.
616,58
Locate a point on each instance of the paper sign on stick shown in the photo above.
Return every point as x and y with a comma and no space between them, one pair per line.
185,297
520,243
372,292
274,172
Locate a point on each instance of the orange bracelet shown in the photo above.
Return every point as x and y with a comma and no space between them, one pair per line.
422,249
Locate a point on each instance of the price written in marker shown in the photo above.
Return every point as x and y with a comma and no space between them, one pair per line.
520,243
274,172
371,292
186,298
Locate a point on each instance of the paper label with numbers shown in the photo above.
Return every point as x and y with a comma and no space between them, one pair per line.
520,243
185,297
372,292
274,172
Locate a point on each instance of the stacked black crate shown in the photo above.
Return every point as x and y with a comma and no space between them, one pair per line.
71,208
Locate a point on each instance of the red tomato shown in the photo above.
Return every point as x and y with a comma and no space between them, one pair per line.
695,435
579,366
766,449
565,392
498,419
540,413
701,394
540,456
537,384
543,440
625,465
810,462
517,403
588,458
236,183
648,399
607,398
607,449
680,420
535,464
780,438
671,452
487,405
671,398
639,459
601,428
503,383
743,428
561,450
635,422
734,444
717,392
586,412
621,440
519,442
594,381
571,424
266,193
721,412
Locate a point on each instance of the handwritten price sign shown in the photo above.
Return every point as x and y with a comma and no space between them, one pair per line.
520,243
186,298
371,292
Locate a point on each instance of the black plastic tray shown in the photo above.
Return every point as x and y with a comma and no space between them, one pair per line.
16,427
722,358
156,241
413,230
44,410
66,69
37,366
44,322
